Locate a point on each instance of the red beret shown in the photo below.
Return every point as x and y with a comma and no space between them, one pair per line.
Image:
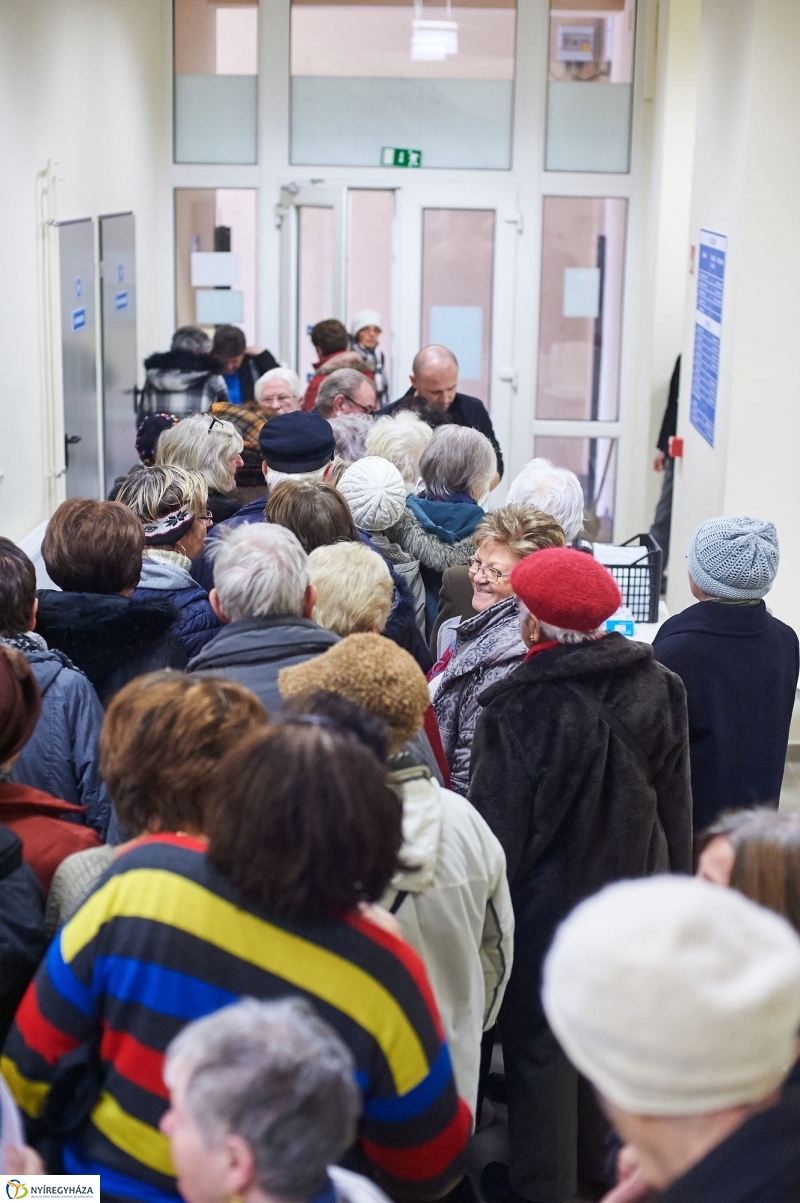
566,588
20,702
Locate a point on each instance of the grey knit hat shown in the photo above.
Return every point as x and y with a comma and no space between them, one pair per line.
734,558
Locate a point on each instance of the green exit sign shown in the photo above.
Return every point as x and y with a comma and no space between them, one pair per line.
398,156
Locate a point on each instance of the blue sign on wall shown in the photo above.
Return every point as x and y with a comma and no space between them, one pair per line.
708,332
78,319
121,300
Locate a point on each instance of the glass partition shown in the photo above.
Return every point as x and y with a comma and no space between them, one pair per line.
434,78
216,69
457,277
594,462
580,322
215,258
589,90
315,271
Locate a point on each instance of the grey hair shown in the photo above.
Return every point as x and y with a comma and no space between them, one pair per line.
346,381
564,636
350,433
151,492
205,444
401,439
286,374
555,491
458,459
277,1076
260,569
274,478
191,338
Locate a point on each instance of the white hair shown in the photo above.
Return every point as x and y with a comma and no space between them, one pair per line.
274,478
458,459
401,439
277,1076
286,374
205,444
260,569
350,433
561,635
354,588
555,491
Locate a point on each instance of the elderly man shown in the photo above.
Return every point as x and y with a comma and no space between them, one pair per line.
680,1002
580,765
556,492
434,378
294,446
346,391
263,594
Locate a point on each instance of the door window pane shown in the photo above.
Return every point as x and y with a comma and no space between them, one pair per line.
580,323
216,45
420,76
215,258
369,266
590,85
594,462
457,267
315,300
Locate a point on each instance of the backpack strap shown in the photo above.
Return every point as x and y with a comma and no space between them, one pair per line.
398,902
612,720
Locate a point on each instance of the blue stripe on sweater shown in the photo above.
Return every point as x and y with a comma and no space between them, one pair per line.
112,1182
65,982
163,990
414,1102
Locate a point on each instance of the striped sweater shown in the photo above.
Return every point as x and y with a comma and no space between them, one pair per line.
166,939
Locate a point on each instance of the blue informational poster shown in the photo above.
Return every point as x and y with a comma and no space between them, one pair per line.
708,332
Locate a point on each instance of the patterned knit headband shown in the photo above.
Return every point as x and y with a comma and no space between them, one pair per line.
169,528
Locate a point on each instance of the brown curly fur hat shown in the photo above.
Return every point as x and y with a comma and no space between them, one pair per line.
373,673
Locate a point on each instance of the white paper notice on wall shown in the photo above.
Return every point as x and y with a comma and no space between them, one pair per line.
219,306
581,292
460,327
215,269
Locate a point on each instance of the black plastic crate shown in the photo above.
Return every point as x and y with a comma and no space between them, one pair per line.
640,583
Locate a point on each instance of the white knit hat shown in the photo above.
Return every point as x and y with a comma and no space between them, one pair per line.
674,996
375,492
734,558
365,317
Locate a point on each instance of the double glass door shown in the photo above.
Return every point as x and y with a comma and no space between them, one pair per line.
437,269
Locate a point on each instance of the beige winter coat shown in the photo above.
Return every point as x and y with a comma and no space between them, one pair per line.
457,913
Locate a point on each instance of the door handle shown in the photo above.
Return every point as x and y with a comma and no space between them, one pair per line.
69,441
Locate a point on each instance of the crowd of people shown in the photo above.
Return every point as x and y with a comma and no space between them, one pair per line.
332,817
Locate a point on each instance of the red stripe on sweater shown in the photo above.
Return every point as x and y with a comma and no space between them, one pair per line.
137,1062
195,843
423,1163
39,1033
409,959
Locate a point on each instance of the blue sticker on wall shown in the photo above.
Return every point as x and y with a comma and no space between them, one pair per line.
121,300
708,333
78,319
120,273
78,286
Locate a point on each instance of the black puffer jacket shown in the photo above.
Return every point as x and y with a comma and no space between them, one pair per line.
570,803
111,638
23,942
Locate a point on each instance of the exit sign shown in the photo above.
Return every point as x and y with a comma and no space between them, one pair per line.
398,156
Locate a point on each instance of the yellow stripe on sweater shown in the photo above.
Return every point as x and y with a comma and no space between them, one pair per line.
164,897
28,1095
141,1142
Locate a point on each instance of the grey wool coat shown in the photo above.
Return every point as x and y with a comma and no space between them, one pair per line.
488,647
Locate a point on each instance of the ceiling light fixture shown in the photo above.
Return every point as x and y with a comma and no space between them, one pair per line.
433,41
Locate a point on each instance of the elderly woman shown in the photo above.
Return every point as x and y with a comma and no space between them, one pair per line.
268,907
198,719
452,902
401,439
171,505
437,527
210,447
278,391
353,586
486,648
263,1103
92,551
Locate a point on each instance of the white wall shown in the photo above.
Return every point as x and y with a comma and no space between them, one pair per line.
84,82
746,184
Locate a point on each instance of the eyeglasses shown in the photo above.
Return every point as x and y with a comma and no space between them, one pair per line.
215,421
369,412
490,574
207,519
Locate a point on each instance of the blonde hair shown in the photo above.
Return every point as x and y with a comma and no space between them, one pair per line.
520,528
354,588
401,439
153,492
205,444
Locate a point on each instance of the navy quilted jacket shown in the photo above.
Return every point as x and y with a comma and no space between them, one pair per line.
196,622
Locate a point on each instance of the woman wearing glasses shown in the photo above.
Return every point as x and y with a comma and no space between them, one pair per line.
482,650
172,505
